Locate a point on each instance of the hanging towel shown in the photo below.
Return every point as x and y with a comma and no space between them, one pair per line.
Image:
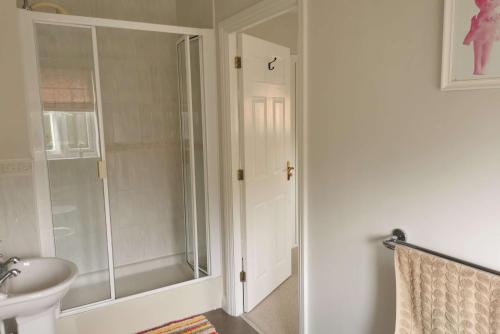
437,296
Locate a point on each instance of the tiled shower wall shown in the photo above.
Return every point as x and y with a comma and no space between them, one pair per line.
78,213
194,13
18,229
139,85
143,143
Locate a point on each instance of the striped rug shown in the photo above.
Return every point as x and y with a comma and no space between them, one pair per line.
194,325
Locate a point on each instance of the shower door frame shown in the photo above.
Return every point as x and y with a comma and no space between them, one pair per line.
187,51
27,22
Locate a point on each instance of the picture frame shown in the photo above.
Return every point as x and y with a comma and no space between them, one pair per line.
471,45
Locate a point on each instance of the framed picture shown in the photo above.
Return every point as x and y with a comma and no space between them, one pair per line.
471,45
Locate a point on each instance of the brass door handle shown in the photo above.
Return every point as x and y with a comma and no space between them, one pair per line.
289,170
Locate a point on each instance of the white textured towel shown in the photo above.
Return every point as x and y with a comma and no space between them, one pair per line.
437,296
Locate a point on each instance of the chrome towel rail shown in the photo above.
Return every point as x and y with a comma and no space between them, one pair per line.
399,238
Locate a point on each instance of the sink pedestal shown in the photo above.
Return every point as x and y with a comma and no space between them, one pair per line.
32,298
41,323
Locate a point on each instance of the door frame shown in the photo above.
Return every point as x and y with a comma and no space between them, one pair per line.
265,187
231,148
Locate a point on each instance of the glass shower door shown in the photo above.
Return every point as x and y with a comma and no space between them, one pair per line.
124,134
144,145
72,148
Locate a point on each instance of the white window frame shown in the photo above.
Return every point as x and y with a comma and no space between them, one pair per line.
59,134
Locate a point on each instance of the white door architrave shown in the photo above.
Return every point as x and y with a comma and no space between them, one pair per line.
231,146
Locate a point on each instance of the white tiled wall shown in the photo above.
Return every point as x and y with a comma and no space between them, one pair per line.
18,228
154,11
143,139
78,213
195,13
142,133
138,72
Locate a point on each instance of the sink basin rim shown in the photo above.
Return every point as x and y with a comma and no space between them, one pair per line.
13,298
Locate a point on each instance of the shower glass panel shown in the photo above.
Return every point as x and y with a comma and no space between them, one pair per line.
195,66
143,140
124,134
72,147
185,143
199,154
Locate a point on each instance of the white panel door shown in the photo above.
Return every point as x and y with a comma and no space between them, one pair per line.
266,134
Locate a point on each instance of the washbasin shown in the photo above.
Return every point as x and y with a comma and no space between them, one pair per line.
33,296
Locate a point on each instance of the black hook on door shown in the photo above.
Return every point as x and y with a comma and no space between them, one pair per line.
270,65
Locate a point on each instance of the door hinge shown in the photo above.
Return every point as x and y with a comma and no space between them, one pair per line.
243,276
237,62
241,175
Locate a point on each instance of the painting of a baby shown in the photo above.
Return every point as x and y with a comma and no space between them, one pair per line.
484,31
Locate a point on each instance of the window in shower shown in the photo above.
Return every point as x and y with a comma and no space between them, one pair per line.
70,134
123,117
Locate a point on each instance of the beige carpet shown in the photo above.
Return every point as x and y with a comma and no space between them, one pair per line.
279,312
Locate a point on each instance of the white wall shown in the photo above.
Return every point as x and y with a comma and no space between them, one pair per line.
13,124
386,148
153,11
18,230
282,30
195,13
227,8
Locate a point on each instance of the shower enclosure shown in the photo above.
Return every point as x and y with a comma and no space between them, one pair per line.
124,135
